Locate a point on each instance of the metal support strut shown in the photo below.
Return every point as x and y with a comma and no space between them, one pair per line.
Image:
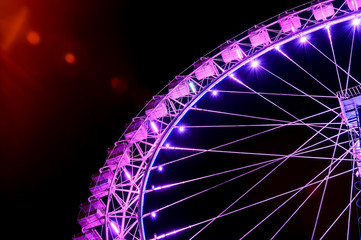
350,101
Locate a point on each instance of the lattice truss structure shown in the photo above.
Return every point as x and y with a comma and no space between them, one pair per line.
113,209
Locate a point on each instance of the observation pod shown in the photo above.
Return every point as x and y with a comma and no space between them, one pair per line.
90,234
91,213
119,154
290,22
259,36
322,11
204,68
231,51
101,182
136,131
178,88
156,108
354,5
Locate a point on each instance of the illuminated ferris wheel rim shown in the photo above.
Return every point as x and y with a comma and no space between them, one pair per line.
229,73
222,70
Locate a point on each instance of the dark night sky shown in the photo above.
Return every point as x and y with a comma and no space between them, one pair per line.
57,119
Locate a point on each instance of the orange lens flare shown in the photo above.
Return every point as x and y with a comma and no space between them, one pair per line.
70,58
33,38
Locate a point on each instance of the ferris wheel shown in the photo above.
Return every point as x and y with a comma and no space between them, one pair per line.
259,139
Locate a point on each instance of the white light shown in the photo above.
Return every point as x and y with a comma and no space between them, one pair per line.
193,88
277,47
356,21
255,63
127,174
114,227
153,214
181,128
154,127
214,93
303,39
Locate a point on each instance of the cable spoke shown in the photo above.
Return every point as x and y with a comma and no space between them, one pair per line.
350,59
277,94
339,67
339,216
304,70
260,181
276,209
334,56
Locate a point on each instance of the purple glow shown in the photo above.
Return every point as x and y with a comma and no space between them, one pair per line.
127,174
162,187
236,79
114,227
160,169
170,233
181,128
255,63
154,127
214,93
153,215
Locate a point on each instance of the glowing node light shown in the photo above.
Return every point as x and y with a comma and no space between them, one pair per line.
303,39
153,215
33,38
214,93
181,128
160,169
255,63
356,21
70,58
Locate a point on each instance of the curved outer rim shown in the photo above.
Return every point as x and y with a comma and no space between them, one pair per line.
270,47
341,15
222,77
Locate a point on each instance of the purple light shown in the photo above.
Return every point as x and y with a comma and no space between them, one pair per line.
153,215
255,63
214,93
154,127
167,145
127,174
163,187
236,79
114,227
160,168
